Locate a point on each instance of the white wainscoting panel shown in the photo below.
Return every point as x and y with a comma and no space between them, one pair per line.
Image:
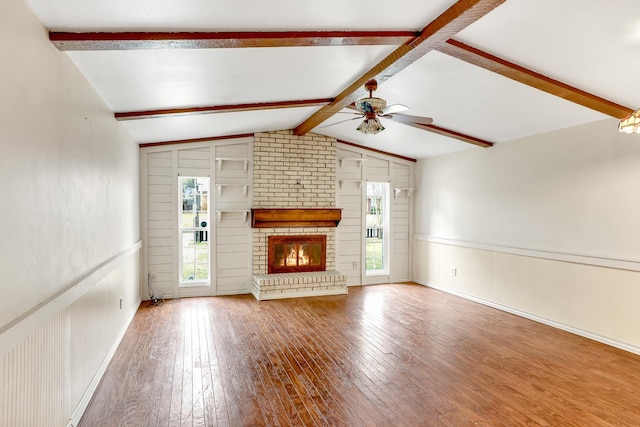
595,301
48,377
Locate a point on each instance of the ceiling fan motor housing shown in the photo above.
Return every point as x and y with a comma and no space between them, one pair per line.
371,105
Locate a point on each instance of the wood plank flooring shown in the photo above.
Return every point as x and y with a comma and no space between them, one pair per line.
385,355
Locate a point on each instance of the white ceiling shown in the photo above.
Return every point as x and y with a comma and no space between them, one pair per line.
587,44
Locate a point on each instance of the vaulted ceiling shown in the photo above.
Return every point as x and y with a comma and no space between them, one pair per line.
486,71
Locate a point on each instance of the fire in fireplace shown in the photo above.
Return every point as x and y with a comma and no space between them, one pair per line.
292,254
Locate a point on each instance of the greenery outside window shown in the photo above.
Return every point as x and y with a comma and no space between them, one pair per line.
377,229
193,231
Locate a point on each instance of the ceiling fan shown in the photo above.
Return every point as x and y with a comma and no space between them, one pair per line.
372,108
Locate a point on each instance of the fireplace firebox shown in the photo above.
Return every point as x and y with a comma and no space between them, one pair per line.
294,254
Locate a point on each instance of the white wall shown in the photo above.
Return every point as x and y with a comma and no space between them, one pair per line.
68,170
573,190
69,217
545,227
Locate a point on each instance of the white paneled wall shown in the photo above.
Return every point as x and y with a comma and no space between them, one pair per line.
355,167
349,197
161,222
194,161
234,177
401,208
35,371
48,375
229,165
377,169
69,249
596,301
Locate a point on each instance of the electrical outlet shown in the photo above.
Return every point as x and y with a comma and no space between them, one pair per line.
355,265
454,271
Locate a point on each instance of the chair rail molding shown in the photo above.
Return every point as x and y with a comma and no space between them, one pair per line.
15,331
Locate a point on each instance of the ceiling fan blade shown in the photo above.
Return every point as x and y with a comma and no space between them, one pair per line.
341,121
394,108
410,120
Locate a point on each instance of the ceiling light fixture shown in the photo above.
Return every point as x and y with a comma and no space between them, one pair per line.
371,107
370,126
631,123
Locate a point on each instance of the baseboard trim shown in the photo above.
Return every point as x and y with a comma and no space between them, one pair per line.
93,385
577,331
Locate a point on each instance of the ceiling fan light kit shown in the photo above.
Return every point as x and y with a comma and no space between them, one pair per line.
372,108
370,126
631,123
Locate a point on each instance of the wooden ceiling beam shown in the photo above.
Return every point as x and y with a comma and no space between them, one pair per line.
191,141
260,106
375,150
450,22
65,41
453,134
531,78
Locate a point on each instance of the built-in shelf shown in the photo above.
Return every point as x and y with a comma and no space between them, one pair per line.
398,191
356,181
245,188
244,160
358,160
245,213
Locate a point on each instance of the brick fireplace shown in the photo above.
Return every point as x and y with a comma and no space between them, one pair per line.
295,175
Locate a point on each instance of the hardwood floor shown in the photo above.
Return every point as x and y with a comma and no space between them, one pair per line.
385,355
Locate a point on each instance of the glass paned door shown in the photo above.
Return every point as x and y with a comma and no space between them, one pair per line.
194,241
377,226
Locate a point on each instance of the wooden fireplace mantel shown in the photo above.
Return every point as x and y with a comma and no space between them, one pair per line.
286,217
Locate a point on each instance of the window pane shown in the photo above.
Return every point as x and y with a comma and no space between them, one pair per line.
376,224
375,251
195,257
195,202
193,224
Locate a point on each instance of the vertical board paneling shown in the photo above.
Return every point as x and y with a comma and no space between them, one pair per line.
507,279
547,286
420,266
44,378
34,372
599,302
433,263
611,294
